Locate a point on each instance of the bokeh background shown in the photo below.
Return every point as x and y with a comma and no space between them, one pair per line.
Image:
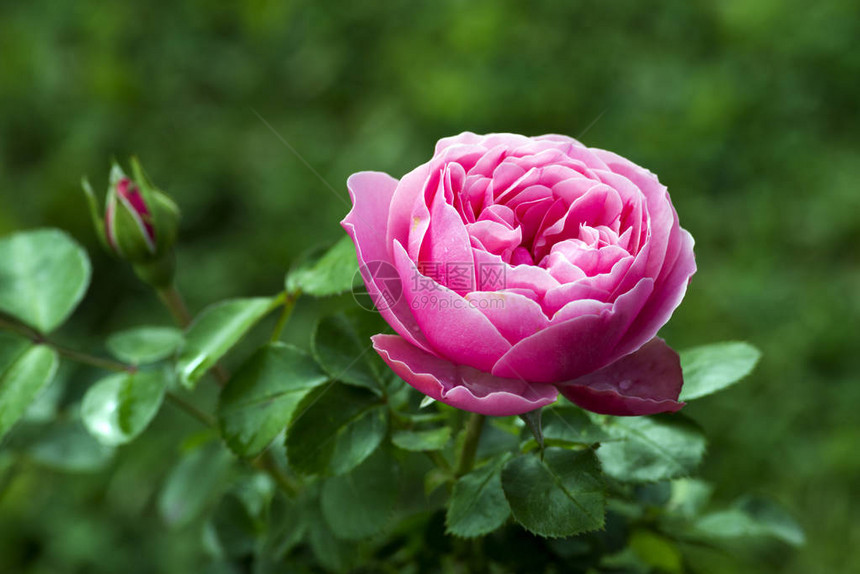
747,110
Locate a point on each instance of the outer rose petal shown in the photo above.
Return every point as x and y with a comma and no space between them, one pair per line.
454,329
643,383
460,386
371,197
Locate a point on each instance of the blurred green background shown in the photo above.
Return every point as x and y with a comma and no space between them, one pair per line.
747,110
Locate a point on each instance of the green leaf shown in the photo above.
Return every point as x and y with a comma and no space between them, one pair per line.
237,531
652,448
657,551
332,553
341,344
263,394
67,446
689,496
24,377
330,274
145,345
422,440
119,407
478,505
218,328
44,274
570,426
360,504
561,495
751,518
712,368
335,428
193,484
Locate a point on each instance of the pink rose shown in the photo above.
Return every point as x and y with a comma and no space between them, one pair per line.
526,266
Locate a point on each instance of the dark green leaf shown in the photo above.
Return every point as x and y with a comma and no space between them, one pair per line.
423,440
330,274
335,428
570,425
651,448
145,345
263,394
341,344
712,368
44,274
214,332
118,408
360,503
193,484
27,373
237,531
478,505
561,495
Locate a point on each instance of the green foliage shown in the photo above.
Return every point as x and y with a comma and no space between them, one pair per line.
263,394
217,329
44,274
360,503
711,368
329,274
341,344
648,449
478,505
561,494
335,428
118,408
144,345
422,440
193,484
23,377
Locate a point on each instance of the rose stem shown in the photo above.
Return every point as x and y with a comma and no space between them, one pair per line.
474,427
174,302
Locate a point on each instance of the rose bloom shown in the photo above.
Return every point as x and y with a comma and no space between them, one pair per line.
524,267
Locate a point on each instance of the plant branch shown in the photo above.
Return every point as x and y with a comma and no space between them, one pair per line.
289,303
474,427
172,299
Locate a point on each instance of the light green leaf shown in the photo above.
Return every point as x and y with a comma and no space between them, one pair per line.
422,440
478,505
689,496
119,407
561,495
712,368
193,484
657,551
335,428
144,345
751,518
27,372
44,274
341,345
651,448
263,394
217,329
68,447
330,274
359,504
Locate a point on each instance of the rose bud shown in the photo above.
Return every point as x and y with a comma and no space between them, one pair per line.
139,225
525,267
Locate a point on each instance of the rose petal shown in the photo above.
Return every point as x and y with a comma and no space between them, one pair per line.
571,349
514,315
642,383
460,386
452,327
371,194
